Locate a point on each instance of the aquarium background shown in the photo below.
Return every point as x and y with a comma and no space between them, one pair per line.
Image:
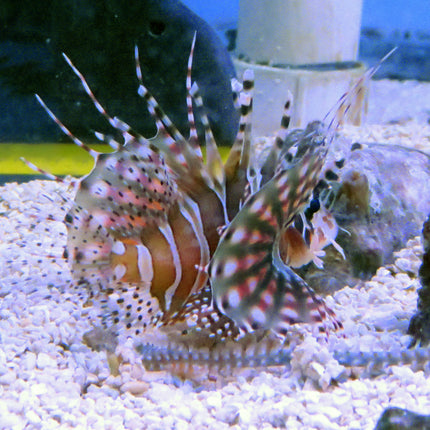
403,15
385,24
26,60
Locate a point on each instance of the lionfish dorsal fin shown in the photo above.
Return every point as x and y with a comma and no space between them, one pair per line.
170,141
241,159
181,155
193,138
215,166
268,169
122,127
67,132
175,147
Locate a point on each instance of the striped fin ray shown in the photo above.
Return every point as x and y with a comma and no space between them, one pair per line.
250,283
188,166
171,142
108,139
238,162
347,104
177,149
67,132
239,153
115,122
72,181
268,169
237,88
193,139
214,162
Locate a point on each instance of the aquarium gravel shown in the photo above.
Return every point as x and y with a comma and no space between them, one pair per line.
50,379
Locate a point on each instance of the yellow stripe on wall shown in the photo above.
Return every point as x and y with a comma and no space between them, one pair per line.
57,158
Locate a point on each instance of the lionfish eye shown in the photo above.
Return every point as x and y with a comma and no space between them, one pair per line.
314,205
156,28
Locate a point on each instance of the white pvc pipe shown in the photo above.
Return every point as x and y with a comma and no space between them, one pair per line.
277,37
296,32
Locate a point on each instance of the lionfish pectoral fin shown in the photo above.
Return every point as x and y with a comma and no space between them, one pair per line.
299,302
280,298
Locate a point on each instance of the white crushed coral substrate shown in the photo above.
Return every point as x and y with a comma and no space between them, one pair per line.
50,379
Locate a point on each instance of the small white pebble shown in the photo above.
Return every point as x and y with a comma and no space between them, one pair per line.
8,378
38,389
214,400
137,388
32,417
29,361
44,360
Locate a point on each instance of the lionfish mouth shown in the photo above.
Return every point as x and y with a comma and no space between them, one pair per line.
203,250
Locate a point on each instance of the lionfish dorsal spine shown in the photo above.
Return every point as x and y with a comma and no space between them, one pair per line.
271,162
115,122
193,137
239,153
214,163
172,143
238,164
67,132
248,157
345,108
107,139
179,153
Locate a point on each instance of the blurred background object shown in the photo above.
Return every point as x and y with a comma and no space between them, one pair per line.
100,36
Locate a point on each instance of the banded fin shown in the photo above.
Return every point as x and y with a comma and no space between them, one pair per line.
250,282
240,161
268,169
214,163
199,318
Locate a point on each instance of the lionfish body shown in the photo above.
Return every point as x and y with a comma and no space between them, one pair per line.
160,237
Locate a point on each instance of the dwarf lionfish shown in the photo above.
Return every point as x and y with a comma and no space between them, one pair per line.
202,249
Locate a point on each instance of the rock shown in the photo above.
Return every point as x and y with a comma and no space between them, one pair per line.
419,326
402,419
99,37
379,203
